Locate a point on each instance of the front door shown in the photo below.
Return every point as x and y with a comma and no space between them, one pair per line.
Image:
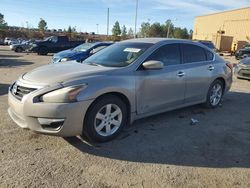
162,89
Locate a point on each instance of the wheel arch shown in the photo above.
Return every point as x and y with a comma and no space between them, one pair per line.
223,81
120,95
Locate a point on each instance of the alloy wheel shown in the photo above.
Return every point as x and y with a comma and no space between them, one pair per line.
216,94
108,120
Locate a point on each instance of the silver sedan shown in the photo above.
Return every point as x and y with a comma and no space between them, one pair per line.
242,70
124,82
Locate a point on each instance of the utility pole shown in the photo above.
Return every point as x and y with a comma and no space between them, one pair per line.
168,30
108,23
97,29
169,24
136,10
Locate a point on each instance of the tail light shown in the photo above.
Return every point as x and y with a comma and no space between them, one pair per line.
229,65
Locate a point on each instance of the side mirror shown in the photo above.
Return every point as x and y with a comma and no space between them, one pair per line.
153,65
91,52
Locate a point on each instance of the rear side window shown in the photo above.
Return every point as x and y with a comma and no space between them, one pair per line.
168,55
193,53
210,55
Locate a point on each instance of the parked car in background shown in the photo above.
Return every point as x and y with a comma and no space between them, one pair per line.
243,53
1,42
209,44
242,69
54,44
6,40
80,52
13,41
126,81
24,46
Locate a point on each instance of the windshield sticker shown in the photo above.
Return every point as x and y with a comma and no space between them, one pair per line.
134,50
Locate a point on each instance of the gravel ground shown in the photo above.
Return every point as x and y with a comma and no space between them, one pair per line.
159,151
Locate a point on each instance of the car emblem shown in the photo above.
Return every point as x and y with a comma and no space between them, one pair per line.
14,89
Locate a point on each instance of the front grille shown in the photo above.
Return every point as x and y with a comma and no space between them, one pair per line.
246,75
20,91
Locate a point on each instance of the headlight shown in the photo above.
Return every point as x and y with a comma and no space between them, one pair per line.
63,95
242,65
34,45
65,59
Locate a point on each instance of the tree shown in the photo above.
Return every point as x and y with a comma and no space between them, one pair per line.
130,33
124,31
3,24
116,31
74,29
156,30
144,31
42,25
69,29
191,34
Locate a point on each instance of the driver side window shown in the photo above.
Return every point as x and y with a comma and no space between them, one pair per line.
168,54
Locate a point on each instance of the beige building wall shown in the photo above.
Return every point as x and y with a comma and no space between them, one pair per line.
225,28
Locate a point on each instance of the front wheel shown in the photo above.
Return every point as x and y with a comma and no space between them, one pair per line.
215,94
105,119
18,49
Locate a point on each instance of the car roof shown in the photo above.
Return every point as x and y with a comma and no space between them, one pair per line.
156,40
163,40
104,42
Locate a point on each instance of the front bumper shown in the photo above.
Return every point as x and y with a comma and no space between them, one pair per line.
32,115
243,73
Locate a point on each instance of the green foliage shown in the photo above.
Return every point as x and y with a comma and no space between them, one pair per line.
69,29
116,31
156,30
144,31
42,25
191,34
3,24
164,30
124,31
130,33
180,33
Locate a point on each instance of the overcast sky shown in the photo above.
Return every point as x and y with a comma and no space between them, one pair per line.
86,14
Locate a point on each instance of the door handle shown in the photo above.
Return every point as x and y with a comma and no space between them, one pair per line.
181,74
211,68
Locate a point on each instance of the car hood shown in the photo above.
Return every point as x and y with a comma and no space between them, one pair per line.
244,50
68,53
55,73
245,61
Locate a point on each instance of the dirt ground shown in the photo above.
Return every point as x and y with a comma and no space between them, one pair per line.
159,151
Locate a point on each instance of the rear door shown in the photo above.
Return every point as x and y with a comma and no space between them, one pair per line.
162,89
199,68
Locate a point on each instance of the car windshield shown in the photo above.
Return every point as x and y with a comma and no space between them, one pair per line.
83,47
118,55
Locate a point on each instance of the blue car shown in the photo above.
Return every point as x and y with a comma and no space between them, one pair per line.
80,52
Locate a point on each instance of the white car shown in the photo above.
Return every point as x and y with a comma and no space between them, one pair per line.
6,40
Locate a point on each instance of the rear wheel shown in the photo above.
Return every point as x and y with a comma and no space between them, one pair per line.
215,94
105,119
42,50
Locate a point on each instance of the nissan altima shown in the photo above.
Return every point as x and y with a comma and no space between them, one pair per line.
126,81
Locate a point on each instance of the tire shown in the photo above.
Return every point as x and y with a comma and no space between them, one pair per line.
42,50
215,94
99,124
18,49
